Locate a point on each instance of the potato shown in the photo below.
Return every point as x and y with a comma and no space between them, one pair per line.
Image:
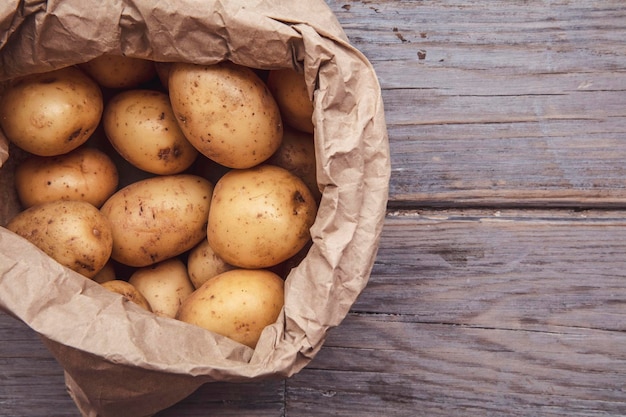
165,285
128,291
141,126
297,155
117,71
107,273
85,174
74,233
51,113
237,304
289,89
260,216
226,111
158,218
203,263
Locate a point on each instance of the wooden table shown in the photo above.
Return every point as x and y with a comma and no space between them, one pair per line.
500,284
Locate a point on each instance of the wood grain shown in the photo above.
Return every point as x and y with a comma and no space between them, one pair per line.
505,271
504,314
411,369
505,103
31,381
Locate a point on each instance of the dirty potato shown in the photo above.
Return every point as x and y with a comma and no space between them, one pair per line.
290,91
226,111
297,155
237,304
118,71
107,273
141,126
203,263
260,216
158,218
51,113
165,285
128,291
74,233
85,174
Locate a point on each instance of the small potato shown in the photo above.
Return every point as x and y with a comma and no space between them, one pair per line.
128,291
165,285
237,304
85,174
158,218
51,113
203,263
141,126
297,155
260,216
289,89
117,71
226,111
107,273
74,233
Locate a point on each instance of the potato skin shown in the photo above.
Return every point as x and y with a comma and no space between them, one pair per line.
128,291
165,285
118,71
158,218
260,216
289,89
107,273
237,304
297,155
226,111
141,126
51,113
203,264
85,174
74,233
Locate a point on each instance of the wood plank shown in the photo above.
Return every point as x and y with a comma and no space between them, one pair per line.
31,381
475,313
507,270
516,35
571,163
262,399
379,366
507,104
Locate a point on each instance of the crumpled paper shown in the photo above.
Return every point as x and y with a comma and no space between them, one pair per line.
120,360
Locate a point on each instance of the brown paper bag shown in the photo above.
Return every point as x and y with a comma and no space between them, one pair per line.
120,360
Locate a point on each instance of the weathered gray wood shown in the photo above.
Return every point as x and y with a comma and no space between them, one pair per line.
263,399
499,314
503,103
378,365
503,270
31,381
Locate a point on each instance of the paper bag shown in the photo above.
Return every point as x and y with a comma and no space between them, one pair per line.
118,359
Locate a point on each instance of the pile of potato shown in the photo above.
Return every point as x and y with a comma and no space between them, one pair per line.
176,185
